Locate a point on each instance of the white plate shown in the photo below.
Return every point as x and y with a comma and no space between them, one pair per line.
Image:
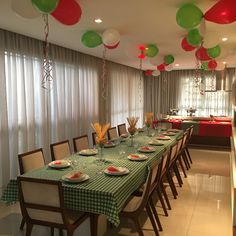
122,171
56,165
155,143
140,157
88,152
124,135
147,150
83,178
173,130
169,133
108,145
163,137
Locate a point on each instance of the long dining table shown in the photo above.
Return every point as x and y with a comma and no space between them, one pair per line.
101,193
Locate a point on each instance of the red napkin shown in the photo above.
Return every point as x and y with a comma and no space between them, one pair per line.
57,162
135,156
109,142
112,169
146,148
76,175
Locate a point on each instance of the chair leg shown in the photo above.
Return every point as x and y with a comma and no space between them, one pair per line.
182,167
60,232
22,224
165,195
93,224
177,174
149,212
188,154
172,186
52,231
155,214
162,202
29,228
138,227
185,160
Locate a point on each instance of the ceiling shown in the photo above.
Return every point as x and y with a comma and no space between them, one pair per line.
138,22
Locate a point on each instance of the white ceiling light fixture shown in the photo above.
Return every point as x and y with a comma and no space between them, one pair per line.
224,39
98,20
224,62
177,65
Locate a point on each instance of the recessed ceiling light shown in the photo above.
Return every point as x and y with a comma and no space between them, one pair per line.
224,62
176,64
98,20
224,39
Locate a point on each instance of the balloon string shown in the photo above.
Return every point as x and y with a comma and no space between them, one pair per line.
140,79
47,66
104,73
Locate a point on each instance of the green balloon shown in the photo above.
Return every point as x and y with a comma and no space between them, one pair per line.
204,65
189,16
194,38
45,6
214,52
91,39
169,59
152,50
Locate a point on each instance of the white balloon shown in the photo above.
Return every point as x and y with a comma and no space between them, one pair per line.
111,37
220,66
169,68
157,60
211,39
24,8
156,73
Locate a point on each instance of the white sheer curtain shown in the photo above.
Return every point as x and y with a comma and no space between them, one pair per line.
212,101
126,94
32,117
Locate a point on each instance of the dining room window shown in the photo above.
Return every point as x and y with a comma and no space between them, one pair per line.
204,96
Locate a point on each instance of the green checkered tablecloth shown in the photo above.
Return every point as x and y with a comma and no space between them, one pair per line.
100,194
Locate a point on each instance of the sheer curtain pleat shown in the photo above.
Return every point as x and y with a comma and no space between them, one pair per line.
127,94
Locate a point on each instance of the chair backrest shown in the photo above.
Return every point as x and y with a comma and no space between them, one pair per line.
94,135
38,207
122,129
81,143
179,144
146,192
60,150
112,133
185,139
156,174
31,160
165,156
172,154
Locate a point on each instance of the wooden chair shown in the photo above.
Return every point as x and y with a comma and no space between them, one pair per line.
94,135
60,150
122,129
136,204
29,161
187,143
112,133
81,143
46,209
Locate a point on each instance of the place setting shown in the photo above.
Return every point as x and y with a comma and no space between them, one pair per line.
88,152
137,157
116,171
169,133
109,144
147,149
163,137
75,177
155,142
59,164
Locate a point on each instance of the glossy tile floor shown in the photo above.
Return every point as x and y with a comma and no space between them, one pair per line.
203,206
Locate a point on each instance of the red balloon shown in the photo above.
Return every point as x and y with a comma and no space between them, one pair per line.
113,46
161,67
223,12
201,54
187,47
141,56
68,12
148,72
212,64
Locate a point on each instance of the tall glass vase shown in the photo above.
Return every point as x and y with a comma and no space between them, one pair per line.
100,153
131,140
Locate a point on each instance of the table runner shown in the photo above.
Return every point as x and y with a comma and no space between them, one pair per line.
101,194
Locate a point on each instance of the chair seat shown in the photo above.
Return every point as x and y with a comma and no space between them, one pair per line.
133,203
